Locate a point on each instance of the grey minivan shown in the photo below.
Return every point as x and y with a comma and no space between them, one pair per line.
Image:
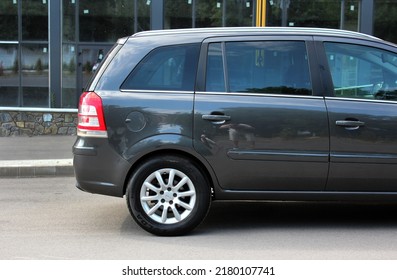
175,119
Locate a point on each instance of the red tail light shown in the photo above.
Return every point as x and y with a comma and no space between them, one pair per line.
91,118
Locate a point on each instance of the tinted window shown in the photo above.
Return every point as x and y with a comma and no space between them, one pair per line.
259,67
362,72
166,68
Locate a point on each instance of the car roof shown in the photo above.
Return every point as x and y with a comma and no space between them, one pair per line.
233,31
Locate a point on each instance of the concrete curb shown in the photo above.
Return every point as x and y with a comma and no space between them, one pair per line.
36,168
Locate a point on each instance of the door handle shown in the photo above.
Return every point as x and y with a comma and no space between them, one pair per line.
350,124
217,119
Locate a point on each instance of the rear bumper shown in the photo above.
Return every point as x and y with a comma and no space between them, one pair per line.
98,168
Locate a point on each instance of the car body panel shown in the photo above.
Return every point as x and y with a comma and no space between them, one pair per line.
99,178
283,141
363,158
133,117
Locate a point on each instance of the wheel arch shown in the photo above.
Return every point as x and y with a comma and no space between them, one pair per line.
194,158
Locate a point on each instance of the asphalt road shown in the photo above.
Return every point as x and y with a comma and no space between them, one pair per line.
48,218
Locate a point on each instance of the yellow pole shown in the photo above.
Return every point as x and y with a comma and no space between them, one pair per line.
260,12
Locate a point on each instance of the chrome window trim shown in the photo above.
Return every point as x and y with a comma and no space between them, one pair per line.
360,100
260,94
156,91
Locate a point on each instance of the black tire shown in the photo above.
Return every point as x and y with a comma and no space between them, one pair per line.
168,209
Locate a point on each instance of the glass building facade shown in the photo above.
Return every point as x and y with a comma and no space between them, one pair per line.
50,48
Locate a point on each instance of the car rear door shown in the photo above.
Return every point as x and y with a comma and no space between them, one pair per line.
260,119
362,110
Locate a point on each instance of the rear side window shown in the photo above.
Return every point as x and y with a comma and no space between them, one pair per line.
275,67
166,68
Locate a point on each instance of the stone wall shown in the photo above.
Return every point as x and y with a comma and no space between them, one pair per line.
32,123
